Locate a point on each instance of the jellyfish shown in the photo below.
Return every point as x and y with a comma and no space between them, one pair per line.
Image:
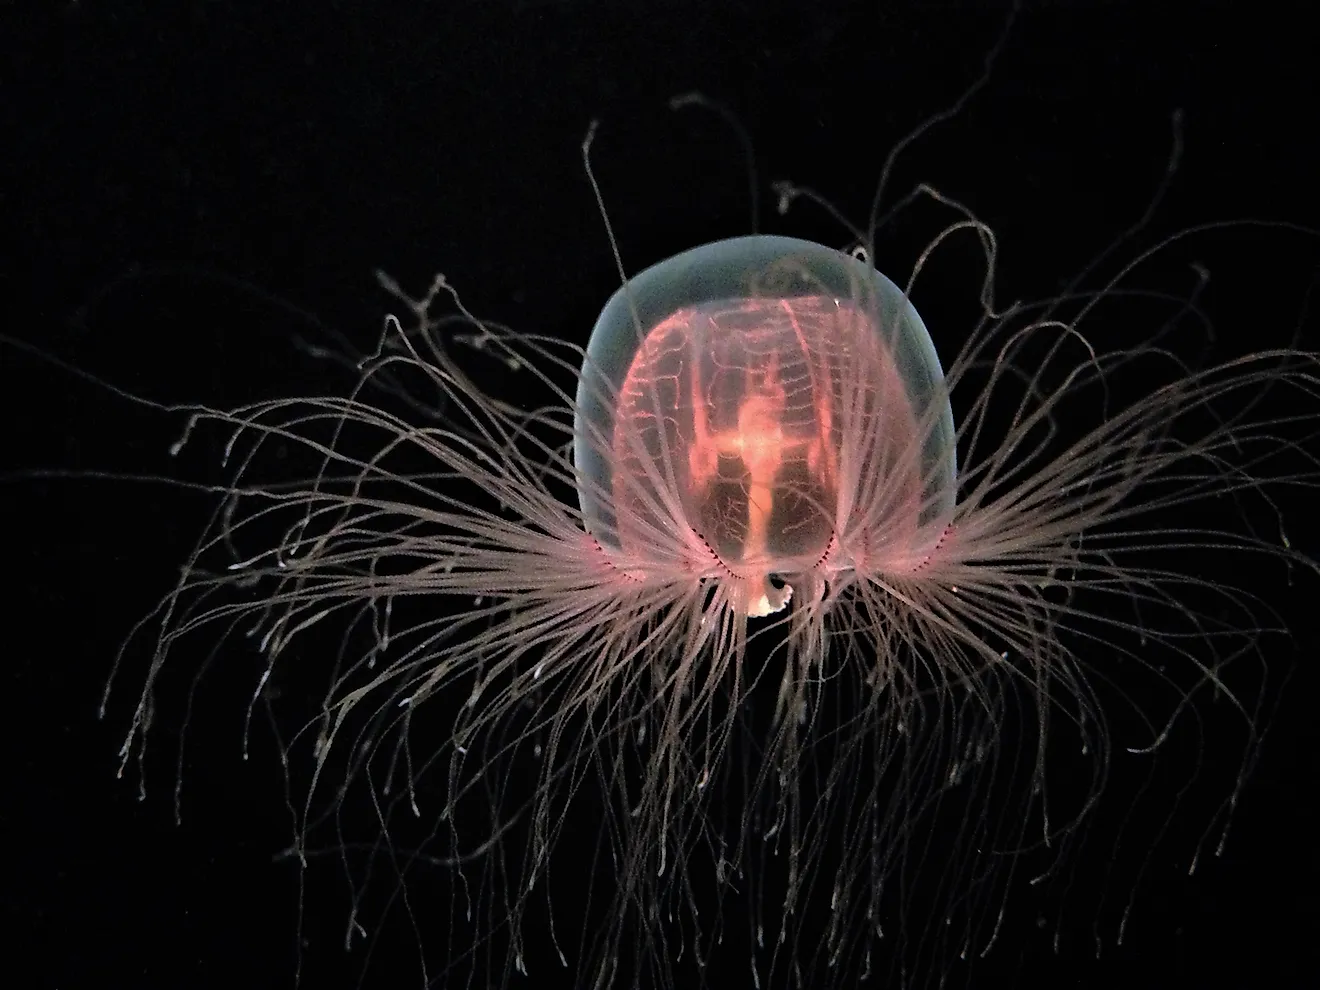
750,634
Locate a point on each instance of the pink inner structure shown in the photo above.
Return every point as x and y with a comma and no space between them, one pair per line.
779,430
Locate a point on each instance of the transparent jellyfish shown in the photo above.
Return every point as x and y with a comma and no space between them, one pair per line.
721,642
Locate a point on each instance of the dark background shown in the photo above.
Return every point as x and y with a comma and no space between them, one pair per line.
185,186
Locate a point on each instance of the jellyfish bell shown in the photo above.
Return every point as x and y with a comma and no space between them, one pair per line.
764,411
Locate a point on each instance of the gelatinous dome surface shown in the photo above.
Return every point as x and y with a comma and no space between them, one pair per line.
752,388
